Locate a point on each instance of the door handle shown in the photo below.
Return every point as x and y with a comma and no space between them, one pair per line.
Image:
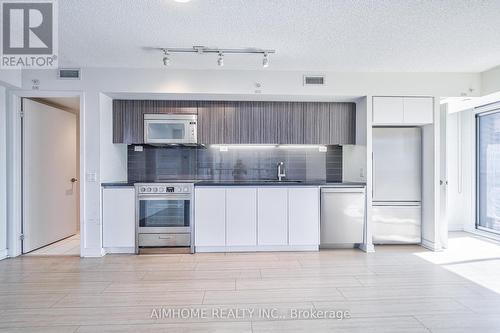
74,180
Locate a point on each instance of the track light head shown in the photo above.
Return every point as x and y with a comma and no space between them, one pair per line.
265,60
220,60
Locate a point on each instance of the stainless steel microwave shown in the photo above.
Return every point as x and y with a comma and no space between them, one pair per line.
170,128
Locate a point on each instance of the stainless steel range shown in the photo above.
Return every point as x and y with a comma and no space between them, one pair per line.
164,215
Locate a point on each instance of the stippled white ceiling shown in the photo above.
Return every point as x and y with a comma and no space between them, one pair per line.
309,35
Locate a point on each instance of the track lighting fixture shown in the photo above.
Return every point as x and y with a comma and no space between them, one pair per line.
265,60
220,60
219,52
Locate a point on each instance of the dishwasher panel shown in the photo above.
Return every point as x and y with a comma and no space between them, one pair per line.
342,216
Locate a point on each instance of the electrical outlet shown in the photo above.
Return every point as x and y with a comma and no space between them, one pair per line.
138,148
91,177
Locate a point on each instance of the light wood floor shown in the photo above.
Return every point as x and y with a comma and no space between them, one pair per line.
396,289
68,247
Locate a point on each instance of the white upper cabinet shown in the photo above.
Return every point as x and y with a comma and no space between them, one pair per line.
388,110
403,110
241,218
303,216
118,217
418,110
210,216
272,216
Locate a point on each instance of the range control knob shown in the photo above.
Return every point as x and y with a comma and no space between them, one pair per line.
149,189
155,189
177,189
143,189
162,189
185,189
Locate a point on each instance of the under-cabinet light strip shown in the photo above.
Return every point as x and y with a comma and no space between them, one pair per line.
321,148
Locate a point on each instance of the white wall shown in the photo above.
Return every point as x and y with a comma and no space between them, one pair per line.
113,156
490,81
11,77
461,159
3,170
209,84
354,163
225,83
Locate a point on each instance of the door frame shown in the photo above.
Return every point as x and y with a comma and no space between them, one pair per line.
14,223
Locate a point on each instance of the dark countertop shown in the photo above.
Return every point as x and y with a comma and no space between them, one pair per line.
276,183
117,184
248,183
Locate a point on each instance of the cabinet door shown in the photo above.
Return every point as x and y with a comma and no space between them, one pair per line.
388,110
250,123
418,110
272,216
127,122
342,123
231,123
241,216
211,122
210,216
303,216
317,123
290,118
118,217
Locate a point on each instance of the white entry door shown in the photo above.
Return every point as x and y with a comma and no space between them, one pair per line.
49,166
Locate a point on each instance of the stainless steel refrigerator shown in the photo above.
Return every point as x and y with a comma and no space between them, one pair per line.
397,185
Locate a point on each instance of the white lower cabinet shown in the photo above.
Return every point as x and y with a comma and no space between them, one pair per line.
210,216
303,216
272,216
118,219
256,218
241,216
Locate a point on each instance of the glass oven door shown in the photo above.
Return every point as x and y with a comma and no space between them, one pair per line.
164,214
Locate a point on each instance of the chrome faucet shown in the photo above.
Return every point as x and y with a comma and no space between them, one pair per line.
281,171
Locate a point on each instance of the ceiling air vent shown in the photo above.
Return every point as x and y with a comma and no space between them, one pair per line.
314,80
68,74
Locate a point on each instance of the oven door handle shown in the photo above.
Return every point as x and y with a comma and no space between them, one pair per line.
164,197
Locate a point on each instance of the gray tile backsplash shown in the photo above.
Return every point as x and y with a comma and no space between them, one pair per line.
183,163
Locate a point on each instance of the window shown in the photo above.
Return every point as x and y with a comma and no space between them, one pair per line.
488,171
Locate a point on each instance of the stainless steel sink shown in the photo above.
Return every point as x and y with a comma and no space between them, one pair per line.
279,181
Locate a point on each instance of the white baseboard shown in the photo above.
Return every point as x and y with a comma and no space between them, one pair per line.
455,227
269,248
431,245
117,250
93,253
3,254
368,248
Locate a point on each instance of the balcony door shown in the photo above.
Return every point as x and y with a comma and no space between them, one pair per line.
488,171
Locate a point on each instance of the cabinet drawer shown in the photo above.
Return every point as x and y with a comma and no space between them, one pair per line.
164,240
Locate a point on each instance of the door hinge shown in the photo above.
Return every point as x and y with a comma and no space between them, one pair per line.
21,236
21,114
